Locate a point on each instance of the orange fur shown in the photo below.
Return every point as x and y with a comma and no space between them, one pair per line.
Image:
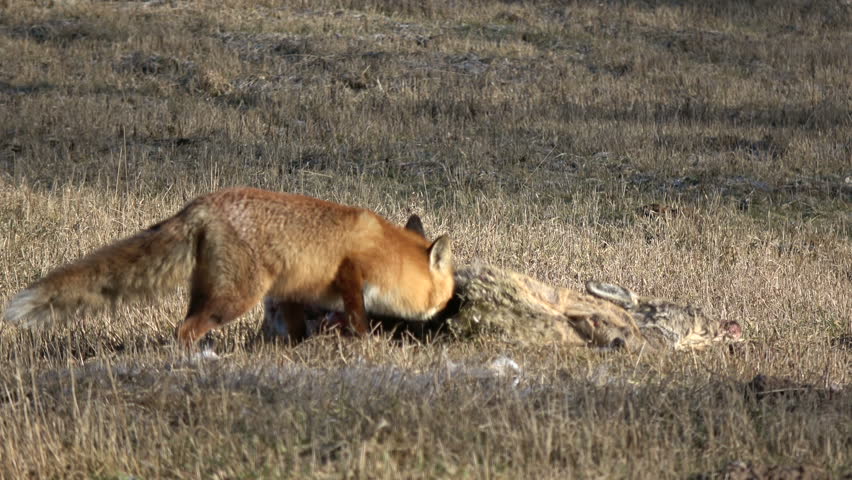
238,245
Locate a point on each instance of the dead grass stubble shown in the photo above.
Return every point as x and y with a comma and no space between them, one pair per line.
697,152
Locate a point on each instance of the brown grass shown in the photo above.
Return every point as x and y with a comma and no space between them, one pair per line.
534,133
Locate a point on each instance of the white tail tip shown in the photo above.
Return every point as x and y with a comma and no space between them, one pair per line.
21,310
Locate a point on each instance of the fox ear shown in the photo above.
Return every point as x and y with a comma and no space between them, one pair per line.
441,254
415,225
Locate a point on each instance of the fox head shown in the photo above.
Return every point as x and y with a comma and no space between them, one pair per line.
441,269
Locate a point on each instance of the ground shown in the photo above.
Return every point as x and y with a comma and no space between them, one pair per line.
698,151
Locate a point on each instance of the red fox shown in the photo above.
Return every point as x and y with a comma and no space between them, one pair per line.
237,245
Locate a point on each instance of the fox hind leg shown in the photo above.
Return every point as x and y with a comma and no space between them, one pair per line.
226,283
214,311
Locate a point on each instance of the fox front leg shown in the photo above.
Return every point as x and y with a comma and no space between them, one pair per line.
350,283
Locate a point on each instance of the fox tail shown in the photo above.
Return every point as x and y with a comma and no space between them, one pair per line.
142,265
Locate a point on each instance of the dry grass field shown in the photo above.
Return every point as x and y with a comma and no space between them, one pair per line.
698,151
